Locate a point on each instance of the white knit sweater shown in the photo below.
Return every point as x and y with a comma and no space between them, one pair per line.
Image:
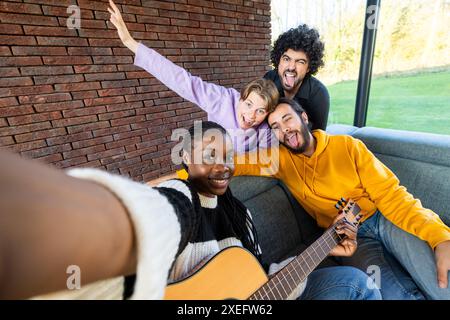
151,213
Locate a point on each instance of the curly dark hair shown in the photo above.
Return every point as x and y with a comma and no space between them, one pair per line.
301,38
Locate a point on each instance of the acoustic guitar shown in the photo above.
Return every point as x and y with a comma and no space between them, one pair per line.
235,273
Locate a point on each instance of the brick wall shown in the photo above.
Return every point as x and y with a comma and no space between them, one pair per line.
73,98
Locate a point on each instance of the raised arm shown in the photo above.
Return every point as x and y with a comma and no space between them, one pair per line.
50,221
210,97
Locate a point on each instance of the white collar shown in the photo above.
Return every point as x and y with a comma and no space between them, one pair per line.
208,202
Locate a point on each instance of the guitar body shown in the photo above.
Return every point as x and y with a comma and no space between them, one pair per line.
233,273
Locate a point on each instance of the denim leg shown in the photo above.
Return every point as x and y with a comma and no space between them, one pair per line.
415,255
340,283
372,257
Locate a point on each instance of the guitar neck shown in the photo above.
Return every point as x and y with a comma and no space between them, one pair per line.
286,280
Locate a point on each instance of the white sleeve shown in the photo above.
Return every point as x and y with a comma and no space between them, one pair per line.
156,226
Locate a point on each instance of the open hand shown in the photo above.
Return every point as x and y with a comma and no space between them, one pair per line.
124,35
348,246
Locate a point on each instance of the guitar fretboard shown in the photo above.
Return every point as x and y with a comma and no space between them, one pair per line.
285,281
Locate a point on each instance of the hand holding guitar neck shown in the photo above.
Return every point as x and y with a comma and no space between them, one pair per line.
346,226
124,35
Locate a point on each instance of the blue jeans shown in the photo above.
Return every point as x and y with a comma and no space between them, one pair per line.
406,264
340,283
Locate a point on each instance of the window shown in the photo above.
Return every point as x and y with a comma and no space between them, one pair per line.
410,87
340,24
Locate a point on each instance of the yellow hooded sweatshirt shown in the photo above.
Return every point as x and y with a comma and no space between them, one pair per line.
342,166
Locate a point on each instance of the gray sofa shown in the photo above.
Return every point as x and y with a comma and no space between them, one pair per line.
421,161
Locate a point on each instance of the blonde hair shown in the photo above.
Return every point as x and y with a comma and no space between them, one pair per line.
266,89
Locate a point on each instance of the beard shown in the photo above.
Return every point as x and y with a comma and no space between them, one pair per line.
306,137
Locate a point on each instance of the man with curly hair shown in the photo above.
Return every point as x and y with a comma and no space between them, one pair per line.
297,55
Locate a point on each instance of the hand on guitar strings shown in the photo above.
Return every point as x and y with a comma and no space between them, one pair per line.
348,245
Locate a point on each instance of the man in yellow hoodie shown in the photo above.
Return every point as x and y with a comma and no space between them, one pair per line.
406,242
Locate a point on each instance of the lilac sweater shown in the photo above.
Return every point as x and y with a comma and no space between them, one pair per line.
220,103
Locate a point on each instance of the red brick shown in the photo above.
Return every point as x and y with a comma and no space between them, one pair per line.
9,72
32,118
95,68
149,36
59,79
94,24
7,102
20,8
112,60
91,142
49,31
124,106
38,51
71,162
74,121
125,142
51,158
43,98
117,115
58,106
84,111
128,120
84,95
61,41
158,4
103,101
152,20
88,51
105,76
91,164
17,40
129,134
201,3
84,151
67,60
116,92
77,86
5,141
88,33
38,153
113,130
15,110
119,84
51,141
141,97
19,91
93,42
26,128
15,82
28,146
123,163
46,70
28,19
107,153
4,51
6,28
40,135
62,12
88,126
